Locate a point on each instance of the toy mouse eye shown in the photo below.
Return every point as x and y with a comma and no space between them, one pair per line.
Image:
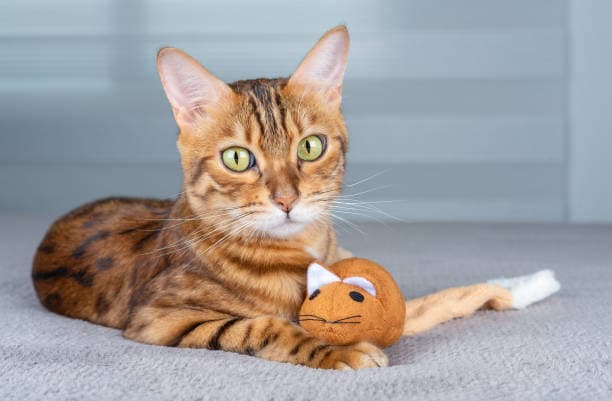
356,296
314,295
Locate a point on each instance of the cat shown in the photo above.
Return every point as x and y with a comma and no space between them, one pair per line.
223,266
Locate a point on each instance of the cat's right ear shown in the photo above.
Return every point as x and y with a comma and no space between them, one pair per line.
191,89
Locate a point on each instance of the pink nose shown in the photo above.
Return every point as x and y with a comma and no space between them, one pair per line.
286,202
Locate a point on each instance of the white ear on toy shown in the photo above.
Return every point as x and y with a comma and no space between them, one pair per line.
318,276
361,283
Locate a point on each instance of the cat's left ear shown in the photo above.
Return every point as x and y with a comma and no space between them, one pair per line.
322,70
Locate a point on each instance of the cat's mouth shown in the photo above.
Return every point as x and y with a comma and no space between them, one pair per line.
282,225
290,221
287,219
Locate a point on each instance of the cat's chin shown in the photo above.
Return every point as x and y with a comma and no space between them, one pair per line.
286,229
275,223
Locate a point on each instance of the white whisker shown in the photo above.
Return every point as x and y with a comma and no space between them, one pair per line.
200,235
368,178
349,223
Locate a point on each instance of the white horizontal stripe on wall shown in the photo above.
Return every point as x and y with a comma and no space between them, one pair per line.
42,18
176,17
374,56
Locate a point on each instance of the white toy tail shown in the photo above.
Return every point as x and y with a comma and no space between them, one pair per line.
529,289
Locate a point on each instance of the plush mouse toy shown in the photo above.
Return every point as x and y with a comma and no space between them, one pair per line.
357,300
353,300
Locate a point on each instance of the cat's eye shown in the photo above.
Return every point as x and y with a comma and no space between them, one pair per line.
238,159
311,148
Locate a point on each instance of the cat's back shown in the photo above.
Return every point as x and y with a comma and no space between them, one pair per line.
83,266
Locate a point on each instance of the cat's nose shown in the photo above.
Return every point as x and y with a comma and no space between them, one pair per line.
285,201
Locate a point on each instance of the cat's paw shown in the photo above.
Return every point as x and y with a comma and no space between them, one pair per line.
352,357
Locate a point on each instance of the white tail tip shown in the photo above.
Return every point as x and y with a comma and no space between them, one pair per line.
529,289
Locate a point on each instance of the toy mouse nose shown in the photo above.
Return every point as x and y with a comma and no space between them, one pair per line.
285,201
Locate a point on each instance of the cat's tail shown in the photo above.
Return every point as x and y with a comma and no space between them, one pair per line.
500,294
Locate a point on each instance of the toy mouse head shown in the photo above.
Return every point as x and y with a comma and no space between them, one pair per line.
353,300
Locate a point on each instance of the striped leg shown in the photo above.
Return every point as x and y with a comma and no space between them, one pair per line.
267,337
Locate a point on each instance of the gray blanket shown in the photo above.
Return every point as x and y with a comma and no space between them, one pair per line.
559,349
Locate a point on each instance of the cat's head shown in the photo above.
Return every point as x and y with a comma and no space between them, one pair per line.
266,155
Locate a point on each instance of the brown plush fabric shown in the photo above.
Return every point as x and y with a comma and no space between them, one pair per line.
431,310
345,320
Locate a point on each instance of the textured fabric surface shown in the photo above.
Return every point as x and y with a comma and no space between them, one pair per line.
559,349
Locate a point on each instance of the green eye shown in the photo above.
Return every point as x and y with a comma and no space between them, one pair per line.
311,148
238,159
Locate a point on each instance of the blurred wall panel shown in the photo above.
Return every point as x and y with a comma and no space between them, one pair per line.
457,107
590,116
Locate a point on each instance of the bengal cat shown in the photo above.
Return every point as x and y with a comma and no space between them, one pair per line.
223,266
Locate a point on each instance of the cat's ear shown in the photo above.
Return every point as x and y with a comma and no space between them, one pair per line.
322,70
191,89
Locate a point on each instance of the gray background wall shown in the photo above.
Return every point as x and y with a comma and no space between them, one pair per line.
464,106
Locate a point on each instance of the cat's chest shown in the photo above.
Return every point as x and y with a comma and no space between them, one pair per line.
283,296
279,291
271,281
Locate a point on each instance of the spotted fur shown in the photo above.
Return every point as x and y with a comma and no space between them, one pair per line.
180,272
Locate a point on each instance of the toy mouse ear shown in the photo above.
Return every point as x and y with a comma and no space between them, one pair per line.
318,276
361,283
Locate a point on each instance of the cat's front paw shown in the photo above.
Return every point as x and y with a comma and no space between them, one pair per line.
352,357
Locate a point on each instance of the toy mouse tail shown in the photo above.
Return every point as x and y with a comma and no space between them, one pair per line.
500,294
529,289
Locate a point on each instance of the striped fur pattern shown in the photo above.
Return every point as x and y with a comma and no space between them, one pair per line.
221,266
